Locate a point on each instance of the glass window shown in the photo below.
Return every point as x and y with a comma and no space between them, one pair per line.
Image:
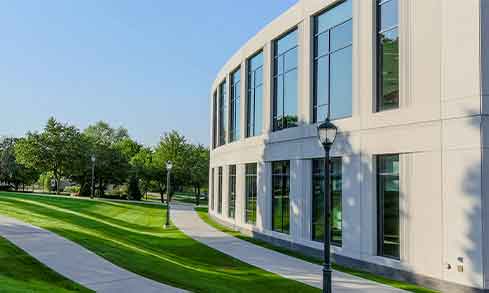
251,193
234,130
388,55
232,191
318,200
212,189
254,97
285,82
388,206
280,196
222,113
219,190
214,120
333,63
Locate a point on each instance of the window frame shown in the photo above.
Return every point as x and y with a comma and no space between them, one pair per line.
339,160
232,191
251,179
284,196
378,63
380,207
251,125
316,57
234,109
275,56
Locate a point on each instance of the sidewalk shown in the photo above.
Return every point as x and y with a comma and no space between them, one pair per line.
75,262
187,220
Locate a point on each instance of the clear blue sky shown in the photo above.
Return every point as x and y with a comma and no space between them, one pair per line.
146,65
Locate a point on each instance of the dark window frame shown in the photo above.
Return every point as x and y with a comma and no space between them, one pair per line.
320,161
317,57
252,86
232,192
379,58
251,192
284,197
380,207
275,76
235,106
212,189
214,120
219,190
223,115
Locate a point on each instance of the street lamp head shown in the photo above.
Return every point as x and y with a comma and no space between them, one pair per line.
327,133
169,165
93,158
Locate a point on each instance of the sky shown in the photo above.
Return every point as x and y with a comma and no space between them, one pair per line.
146,65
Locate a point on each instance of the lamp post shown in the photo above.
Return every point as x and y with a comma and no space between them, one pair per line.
93,177
327,134
169,166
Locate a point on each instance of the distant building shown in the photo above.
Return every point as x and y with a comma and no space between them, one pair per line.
406,82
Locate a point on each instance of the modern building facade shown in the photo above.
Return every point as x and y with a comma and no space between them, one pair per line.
406,82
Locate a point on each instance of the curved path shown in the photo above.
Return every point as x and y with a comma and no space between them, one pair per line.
75,262
189,222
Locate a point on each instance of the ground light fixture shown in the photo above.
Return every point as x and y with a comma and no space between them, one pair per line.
327,134
169,167
93,159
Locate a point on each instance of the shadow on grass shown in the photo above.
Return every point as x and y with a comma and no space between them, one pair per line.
167,256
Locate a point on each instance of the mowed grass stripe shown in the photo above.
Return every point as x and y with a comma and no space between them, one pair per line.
132,236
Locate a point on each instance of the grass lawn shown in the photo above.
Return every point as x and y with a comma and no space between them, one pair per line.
131,236
365,275
19,272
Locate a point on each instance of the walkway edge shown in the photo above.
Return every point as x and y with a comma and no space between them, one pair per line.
75,262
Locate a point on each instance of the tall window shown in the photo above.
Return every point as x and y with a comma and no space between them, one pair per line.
318,200
333,62
387,54
254,113
251,193
280,196
232,191
222,113
219,191
388,206
214,120
212,189
285,81
234,130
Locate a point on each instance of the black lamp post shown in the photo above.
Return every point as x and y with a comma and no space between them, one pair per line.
327,134
169,166
93,177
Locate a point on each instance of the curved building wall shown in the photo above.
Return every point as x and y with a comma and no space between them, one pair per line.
435,132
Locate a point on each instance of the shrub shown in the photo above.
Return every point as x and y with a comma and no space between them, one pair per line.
133,190
72,189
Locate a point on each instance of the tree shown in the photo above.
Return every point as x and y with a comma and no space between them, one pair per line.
199,168
11,171
109,146
142,166
55,150
172,147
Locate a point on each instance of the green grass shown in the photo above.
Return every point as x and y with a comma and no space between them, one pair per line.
131,236
203,213
19,272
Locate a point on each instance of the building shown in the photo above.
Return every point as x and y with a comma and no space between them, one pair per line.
407,83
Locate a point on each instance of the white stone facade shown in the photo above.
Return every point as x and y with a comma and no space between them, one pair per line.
440,131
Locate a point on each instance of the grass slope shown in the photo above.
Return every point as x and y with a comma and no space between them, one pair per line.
19,272
365,275
131,236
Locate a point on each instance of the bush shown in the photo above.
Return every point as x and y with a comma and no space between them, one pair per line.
72,189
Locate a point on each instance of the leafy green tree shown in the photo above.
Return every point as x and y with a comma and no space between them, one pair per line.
54,149
108,145
198,168
172,147
11,171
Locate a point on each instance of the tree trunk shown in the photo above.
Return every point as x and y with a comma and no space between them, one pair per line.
198,195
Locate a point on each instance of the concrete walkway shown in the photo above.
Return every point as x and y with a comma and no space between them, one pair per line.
75,262
188,221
